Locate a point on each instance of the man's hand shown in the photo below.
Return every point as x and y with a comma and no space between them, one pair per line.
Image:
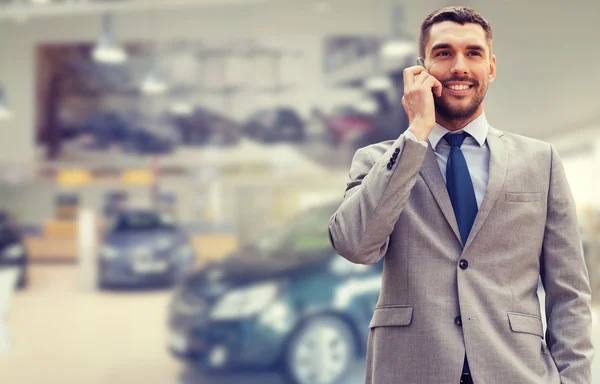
419,88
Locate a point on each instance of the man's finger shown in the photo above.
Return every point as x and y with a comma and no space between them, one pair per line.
438,88
435,85
409,75
421,78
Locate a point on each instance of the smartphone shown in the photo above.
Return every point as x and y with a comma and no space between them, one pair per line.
420,62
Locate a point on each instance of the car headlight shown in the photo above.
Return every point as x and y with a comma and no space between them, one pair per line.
14,252
245,302
142,251
109,253
279,316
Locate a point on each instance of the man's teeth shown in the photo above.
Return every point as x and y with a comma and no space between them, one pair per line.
459,87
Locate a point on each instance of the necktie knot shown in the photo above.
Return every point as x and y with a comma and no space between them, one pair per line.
455,139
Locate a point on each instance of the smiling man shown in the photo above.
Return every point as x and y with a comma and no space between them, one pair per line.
467,218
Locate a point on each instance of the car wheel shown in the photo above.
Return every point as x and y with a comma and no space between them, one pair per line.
320,352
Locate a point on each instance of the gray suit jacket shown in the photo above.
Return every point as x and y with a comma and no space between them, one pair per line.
526,227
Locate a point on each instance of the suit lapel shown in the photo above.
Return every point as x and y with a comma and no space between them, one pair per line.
499,155
430,171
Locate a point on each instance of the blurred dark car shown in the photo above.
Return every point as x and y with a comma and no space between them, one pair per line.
347,124
12,248
275,124
288,303
206,127
148,143
104,130
144,247
128,132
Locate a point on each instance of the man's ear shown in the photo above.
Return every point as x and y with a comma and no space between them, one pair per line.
492,75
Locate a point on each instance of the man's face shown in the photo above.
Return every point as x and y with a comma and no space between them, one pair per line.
459,57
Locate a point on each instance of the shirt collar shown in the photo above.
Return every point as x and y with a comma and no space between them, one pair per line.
477,128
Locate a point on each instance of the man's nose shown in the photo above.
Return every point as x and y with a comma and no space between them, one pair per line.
460,66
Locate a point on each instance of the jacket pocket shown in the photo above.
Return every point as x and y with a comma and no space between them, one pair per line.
520,322
522,197
392,316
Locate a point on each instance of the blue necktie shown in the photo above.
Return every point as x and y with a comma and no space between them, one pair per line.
460,186
462,194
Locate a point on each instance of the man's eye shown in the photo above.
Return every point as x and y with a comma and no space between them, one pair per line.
443,53
475,53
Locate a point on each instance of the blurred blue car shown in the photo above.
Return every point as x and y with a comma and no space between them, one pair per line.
288,302
13,253
144,247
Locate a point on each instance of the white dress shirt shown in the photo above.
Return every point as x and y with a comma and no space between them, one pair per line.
474,148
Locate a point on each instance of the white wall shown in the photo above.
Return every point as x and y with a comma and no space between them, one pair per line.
580,174
548,65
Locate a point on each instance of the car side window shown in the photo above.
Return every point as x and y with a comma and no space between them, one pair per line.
312,234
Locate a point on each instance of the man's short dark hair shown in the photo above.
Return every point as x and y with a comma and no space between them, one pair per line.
460,15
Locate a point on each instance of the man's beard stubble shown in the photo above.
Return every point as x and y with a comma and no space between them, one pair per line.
452,113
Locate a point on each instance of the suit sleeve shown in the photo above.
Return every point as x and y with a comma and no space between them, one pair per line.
566,282
376,194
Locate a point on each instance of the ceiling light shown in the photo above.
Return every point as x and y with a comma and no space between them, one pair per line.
321,6
399,45
152,86
153,83
108,54
5,112
367,105
182,109
397,48
378,83
107,51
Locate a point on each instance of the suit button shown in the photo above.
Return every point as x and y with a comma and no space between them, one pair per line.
390,165
458,320
463,264
397,150
395,156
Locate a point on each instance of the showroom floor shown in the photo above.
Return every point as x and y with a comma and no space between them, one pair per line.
62,334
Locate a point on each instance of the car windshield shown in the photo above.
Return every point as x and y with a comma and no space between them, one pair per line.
306,232
144,221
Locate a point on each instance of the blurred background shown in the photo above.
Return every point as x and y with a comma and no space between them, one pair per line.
168,169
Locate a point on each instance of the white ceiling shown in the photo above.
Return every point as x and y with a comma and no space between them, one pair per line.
27,9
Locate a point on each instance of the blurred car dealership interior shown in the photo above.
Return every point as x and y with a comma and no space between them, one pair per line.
168,169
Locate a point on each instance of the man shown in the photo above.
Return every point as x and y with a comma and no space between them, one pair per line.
467,218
